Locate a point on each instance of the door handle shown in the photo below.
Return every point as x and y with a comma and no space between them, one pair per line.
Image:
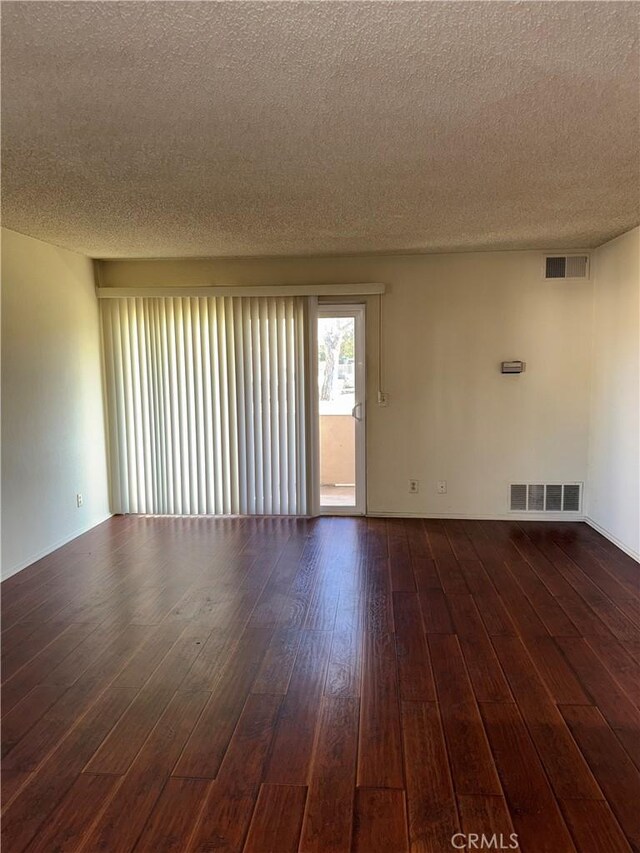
356,412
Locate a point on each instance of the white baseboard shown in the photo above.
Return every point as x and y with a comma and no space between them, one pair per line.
617,542
507,516
7,573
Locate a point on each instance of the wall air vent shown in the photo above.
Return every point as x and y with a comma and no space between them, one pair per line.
549,497
535,498
519,497
566,266
553,498
571,498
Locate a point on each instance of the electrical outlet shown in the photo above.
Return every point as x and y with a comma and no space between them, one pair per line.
383,398
414,486
442,487
79,500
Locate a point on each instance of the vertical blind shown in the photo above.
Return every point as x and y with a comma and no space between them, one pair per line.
206,404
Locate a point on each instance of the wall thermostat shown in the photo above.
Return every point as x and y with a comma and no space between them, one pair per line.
512,366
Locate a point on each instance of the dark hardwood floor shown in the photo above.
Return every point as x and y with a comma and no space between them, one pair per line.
327,685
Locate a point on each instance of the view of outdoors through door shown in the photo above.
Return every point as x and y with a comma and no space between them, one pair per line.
337,399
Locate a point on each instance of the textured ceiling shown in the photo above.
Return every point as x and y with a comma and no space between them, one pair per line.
155,129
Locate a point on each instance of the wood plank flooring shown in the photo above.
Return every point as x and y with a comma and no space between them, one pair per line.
324,686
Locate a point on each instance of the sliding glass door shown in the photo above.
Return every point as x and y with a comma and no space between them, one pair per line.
235,405
341,409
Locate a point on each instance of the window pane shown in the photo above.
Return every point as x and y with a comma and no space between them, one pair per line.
336,391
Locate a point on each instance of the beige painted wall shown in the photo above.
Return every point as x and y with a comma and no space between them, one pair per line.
448,322
52,415
614,462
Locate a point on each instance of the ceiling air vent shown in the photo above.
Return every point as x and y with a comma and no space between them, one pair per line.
550,497
566,266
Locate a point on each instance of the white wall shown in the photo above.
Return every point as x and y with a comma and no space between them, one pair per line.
52,416
614,462
448,320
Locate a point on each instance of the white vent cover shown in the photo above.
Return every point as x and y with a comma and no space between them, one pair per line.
547,497
519,497
566,266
